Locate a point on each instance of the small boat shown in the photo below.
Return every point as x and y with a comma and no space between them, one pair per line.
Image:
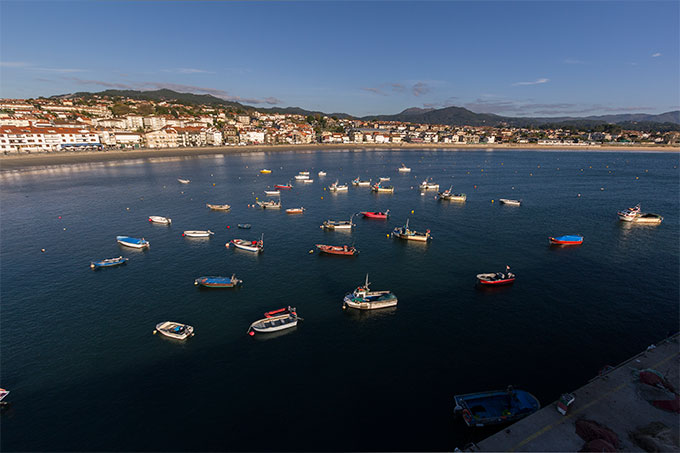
338,224
335,187
425,185
376,215
411,235
497,278
272,193
510,202
109,262
174,330
363,298
265,171
378,187
649,218
218,207
244,226
183,181
495,407
450,196
303,173
302,177
273,322
337,249
218,282
358,182
269,204
299,210
629,214
322,173
251,246
567,239
384,178
307,181
3,394
160,220
404,169
197,233
283,187
132,242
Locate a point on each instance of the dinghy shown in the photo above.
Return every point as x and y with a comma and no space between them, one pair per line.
345,250
251,246
274,322
322,173
197,233
335,187
283,187
218,207
404,169
218,282
265,171
183,181
376,215
269,204
363,298
495,407
497,278
567,239
244,226
510,202
174,330
109,262
648,218
132,242
160,220
359,183
272,193
299,210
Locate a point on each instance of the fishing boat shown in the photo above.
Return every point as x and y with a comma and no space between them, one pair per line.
376,215
109,262
273,321
183,181
302,177
405,233
303,173
378,187
510,202
338,224
496,278
283,187
265,171
160,220
404,169
244,226
450,196
384,178
648,218
251,246
132,242
3,394
307,181
269,204
335,187
197,233
425,185
358,182
272,193
567,239
363,298
322,173
218,282
218,207
495,407
345,250
174,330
629,214
299,210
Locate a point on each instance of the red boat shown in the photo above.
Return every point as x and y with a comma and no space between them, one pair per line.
337,249
496,279
281,311
568,239
283,187
376,215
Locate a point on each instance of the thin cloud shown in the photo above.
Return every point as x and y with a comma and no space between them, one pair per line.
188,71
29,66
13,64
420,88
658,54
58,70
523,108
374,90
535,82
573,61
398,87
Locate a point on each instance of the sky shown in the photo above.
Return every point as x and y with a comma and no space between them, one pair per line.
514,58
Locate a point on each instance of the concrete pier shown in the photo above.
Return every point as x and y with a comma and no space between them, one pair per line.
616,400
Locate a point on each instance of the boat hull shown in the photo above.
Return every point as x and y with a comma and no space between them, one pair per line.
198,234
219,207
496,407
274,323
111,262
174,330
510,202
376,215
337,250
160,220
250,246
281,187
217,282
566,240
491,279
132,242
363,304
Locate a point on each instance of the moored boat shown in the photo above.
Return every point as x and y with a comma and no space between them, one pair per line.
269,204
648,218
218,282
273,322
283,187
174,330
3,394
358,182
218,207
338,224
251,246
335,187
299,210
183,181
307,181
376,214
197,233
302,177
497,278
109,262
380,188
495,407
136,243
265,171
428,185
244,226
362,298
346,250
272,193
510,202
406,233
322,173
567,239
403,169
160,220
629,214
384,178
450,196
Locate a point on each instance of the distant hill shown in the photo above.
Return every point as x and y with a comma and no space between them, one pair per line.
163,95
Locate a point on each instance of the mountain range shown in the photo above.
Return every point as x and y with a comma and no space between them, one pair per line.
453,116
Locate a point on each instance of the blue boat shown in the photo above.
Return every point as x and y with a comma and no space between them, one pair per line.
109,262
244,226
218,282
495,407
567,239
132,242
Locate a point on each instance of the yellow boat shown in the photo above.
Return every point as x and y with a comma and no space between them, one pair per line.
265,171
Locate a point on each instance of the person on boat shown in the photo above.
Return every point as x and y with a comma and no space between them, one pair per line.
344,248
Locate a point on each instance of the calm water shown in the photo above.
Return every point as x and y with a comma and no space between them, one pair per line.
86,373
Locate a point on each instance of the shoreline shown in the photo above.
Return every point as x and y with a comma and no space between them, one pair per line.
15,162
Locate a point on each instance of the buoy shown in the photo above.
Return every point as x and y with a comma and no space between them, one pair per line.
411,211
213,184
251,333
154,332
228,227
475,187
322,198
64,229
385,235
578,195
601,188
637,177
344,307
42,250
60,217
311,251
127,209
491,201
182,234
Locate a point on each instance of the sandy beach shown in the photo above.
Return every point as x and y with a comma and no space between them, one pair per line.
14,162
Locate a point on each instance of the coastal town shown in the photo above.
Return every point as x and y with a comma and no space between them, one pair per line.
98,123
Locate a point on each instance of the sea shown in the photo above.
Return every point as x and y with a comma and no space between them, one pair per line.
86,372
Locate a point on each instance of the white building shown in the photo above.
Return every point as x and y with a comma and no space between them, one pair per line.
42,139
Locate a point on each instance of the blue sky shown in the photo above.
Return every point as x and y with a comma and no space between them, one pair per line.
529,58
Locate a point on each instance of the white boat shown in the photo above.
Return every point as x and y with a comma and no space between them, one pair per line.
382,189
384,178
358,182
629,214
174,330
251,246
307,181
272,193
198,233
425,185
335,187
160,220
649,218
303,173
273,322
269,204
338,224
302,177
363,298
450,196
132,242
299,210
510,202
218,207
406,233
322,173
183,181
404,169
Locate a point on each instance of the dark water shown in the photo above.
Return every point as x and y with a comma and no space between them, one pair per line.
86,373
